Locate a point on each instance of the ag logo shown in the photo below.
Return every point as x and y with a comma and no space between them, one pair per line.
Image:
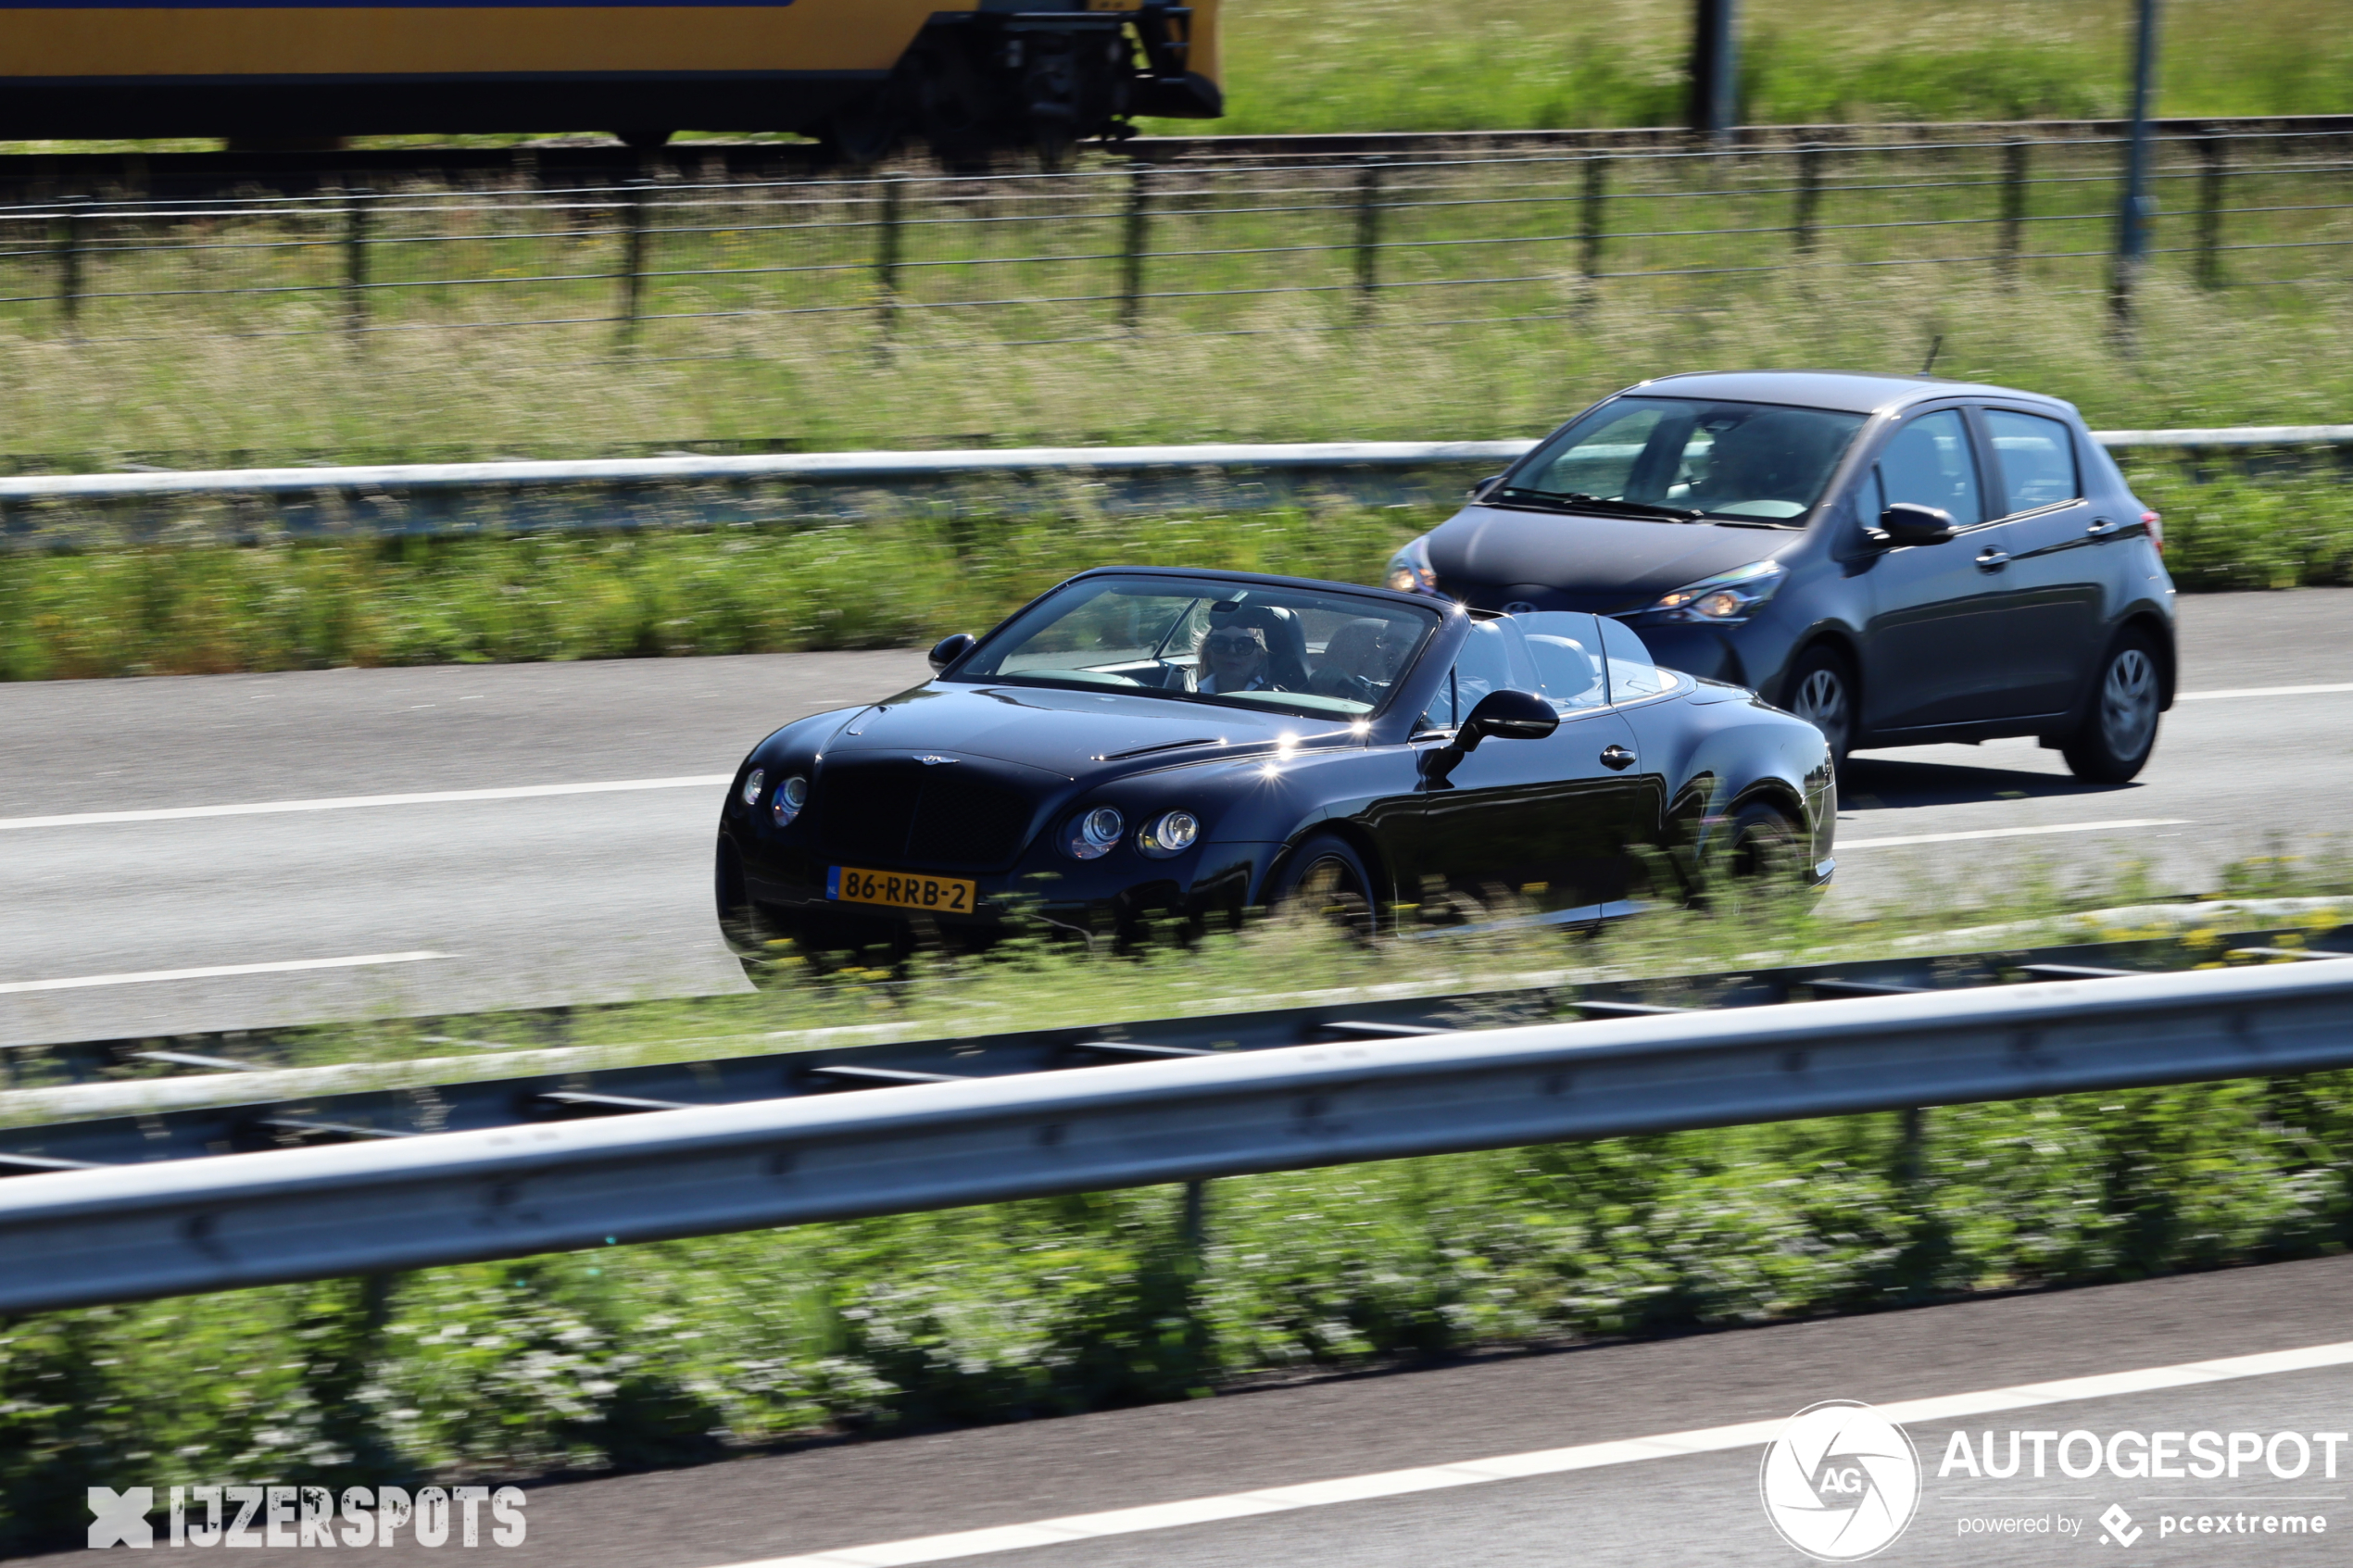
1841,1482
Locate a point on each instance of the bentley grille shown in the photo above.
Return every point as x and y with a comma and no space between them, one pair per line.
894,812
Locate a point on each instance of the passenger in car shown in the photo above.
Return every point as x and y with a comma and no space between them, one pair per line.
1236,660
1357,662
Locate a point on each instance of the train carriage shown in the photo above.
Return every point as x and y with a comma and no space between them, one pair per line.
860,74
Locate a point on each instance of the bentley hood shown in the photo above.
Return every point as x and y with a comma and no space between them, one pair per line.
1614,562
1074,734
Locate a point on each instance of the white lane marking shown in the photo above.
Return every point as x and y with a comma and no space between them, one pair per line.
352,802
1548,1461
215,971
2259,691
2013,833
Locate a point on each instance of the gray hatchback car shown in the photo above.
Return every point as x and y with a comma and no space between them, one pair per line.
1901,559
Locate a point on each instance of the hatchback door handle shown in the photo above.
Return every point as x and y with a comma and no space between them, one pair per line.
1992,560
1618,756
2101,530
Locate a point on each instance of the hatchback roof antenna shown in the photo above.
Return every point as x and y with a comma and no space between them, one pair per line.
1933,349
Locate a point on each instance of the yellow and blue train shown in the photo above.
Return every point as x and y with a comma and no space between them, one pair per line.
857,73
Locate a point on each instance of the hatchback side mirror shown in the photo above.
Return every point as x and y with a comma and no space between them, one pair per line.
950,649
1904,524
1483,486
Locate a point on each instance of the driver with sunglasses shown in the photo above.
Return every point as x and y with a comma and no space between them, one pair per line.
1235,660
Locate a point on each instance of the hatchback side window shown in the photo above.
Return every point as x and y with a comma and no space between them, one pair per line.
1927,465
2037,459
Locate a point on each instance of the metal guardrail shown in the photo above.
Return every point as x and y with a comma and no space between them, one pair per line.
240,1102
896,467
78,1237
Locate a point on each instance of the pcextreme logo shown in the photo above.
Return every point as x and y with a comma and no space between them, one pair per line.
1841,1483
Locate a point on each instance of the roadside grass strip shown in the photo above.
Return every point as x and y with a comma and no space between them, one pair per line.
1543,1461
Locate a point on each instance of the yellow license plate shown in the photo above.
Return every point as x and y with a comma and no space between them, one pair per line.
1114,5
898,890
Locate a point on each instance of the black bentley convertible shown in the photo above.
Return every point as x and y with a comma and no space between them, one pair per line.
1138,744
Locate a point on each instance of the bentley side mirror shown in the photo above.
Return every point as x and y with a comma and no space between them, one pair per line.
1501,715
1483,486
950,649
1904,524
1507,715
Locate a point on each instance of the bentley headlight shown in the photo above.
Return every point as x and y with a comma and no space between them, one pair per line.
1409,570
791,795
1727,598
1171,832
752,781
1093,834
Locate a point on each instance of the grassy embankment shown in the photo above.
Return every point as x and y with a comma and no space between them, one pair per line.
213,608
676,1352
895,581
1460,65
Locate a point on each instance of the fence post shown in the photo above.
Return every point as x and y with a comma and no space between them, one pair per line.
2214,154
1595,203
354,262
2013,236
2138,206
887,257
1368,206
71,236
1131,286
1809,195
632,262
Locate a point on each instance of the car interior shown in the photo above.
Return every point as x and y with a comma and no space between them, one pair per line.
1322,653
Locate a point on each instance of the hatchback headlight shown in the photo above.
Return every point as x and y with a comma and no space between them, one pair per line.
791,795
1092,833
1727,598
752,783
1409,570
1170,834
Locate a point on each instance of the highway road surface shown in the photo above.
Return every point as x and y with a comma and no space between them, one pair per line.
239,851
1463,1463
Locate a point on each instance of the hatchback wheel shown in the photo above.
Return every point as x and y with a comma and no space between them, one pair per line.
1822,693
2117,736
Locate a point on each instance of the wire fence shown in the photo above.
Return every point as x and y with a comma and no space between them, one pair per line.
1191,248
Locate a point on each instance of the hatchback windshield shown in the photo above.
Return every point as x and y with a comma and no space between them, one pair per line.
1296,650
1686,461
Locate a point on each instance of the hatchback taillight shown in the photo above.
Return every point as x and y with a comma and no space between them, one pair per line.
2156,525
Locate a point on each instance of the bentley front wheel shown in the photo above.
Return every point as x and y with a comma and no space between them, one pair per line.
1326,879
